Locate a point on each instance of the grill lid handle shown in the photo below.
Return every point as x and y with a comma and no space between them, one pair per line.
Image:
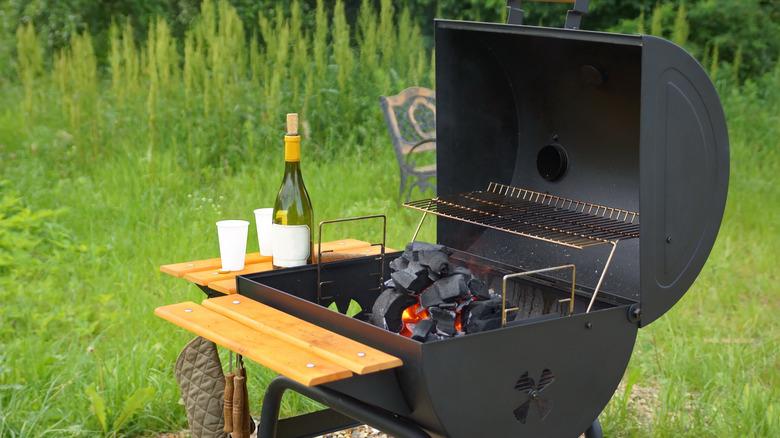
573,17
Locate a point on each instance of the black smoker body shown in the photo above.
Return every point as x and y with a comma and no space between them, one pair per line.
630,122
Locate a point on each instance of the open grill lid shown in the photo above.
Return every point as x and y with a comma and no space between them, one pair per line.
631,122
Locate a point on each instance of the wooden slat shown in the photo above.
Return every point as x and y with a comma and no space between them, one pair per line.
280,356
353,355
203,278
227,287
181,269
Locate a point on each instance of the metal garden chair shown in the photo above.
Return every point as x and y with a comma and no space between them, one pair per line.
411,120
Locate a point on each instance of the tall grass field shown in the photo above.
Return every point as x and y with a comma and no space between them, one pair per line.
110,169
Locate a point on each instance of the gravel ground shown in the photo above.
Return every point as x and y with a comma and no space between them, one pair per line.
358,432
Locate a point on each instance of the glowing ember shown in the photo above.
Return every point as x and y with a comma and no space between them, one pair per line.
412,315
438,298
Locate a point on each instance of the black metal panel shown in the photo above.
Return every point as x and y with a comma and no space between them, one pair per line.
684,173
293,290
639,123
478,379
470,379
504,94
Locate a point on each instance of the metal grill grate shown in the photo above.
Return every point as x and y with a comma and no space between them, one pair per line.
536,215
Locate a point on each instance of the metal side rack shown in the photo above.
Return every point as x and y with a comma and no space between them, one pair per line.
540,216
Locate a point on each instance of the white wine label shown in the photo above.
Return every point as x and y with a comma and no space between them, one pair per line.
292,245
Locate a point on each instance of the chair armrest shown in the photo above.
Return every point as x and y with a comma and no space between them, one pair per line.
416,145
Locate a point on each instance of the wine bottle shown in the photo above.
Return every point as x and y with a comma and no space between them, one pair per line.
292,216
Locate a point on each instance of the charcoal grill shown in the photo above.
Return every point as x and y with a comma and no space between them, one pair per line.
555,148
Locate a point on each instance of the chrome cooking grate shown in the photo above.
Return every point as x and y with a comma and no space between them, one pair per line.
536,215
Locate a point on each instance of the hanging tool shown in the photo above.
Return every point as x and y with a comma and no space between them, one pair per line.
228,406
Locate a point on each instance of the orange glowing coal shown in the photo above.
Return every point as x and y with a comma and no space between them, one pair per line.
416,313
412,315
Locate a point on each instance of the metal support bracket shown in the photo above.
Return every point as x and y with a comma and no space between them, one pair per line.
346,405
574,16
380,275
505,311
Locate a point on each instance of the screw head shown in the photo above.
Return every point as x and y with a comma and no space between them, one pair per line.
635,314
588,325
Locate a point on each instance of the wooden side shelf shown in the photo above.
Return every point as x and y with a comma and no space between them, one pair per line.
302,351
208,272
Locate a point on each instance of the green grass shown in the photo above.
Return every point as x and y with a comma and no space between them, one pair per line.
107,179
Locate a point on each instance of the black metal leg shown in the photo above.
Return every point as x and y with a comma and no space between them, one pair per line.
269,414
594,431
366,414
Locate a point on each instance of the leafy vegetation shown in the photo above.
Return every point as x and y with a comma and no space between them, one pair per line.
118,151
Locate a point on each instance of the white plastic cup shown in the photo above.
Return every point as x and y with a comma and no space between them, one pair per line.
265,237
232,243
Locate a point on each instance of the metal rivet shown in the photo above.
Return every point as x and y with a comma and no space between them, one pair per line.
188,310
310,365
669,239
361,354
236,302
588,325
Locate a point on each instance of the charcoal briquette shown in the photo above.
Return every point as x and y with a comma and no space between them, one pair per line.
388,309
399,264
411,279
412,250
423,330
437,261
479,289
430,297
445,320
452,288
480,316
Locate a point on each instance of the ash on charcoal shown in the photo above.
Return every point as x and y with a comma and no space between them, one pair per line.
388,309
412,279
422,332
480,316
461,305
445,320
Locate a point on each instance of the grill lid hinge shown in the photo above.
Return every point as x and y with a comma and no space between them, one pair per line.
573,17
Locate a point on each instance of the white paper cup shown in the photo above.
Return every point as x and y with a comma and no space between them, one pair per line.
232,243
264,219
